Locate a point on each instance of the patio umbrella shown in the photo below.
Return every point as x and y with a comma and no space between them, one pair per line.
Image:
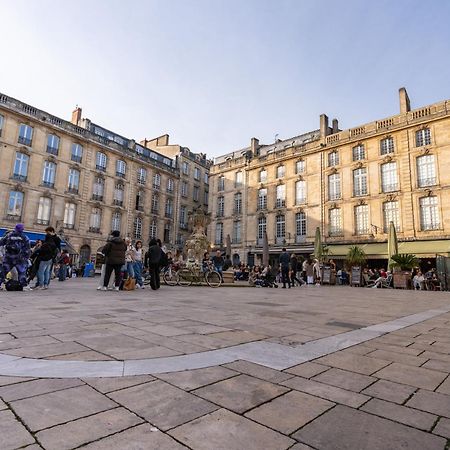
265,250
228,246
318,250
392,243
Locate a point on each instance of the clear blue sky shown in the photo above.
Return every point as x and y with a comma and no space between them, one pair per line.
214,73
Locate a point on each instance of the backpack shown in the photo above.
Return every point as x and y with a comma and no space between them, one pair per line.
13,244
13,285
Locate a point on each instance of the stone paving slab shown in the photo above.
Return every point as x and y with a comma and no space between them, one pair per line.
12,433
241,393
142,437
290,411
344,428
88,429
162,404
224,430
60,407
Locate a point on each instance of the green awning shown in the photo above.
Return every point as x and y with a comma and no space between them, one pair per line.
379,250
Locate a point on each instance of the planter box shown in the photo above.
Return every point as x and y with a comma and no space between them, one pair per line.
402,280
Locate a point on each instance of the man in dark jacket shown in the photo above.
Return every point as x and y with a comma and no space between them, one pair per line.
17,253
294,270
152,263
114,252
284,264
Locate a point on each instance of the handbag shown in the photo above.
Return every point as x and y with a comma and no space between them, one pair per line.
130,284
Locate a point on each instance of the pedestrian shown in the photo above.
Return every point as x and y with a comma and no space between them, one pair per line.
50,235
34,258
16,255
284,260
316,269
138,264
152,261
114,252
63,262
46,255
309,271
294,270
129,258
218,262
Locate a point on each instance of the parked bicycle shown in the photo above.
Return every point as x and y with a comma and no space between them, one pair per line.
189,275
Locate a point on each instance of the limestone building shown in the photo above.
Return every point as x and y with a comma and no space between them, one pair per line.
351,183
84,180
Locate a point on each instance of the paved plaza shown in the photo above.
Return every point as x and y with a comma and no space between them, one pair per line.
231,368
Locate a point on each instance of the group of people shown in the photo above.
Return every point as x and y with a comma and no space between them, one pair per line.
19,260
128,261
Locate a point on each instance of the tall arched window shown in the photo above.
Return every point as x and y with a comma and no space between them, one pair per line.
280,228
137,228
262,228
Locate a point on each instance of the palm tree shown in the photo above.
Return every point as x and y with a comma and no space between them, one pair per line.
355,256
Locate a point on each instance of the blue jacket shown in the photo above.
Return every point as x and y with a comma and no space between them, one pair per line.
17,245
284,260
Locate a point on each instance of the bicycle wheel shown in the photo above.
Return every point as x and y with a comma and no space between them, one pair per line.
213,279
185,277
171,278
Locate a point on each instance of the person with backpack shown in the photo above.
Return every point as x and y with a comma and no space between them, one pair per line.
114,252
16,254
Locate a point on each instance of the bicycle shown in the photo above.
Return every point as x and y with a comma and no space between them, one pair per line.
188,275
169,275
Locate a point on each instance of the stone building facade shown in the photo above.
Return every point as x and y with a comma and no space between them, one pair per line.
84,180
351,183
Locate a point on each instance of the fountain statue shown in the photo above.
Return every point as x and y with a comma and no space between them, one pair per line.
198,243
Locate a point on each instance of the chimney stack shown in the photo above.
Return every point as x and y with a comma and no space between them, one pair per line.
324,130
254,146
405,106
335,126
76,116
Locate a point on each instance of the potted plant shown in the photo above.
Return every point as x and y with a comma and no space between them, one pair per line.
356,258
402,265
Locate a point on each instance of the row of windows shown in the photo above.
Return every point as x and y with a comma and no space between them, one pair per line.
185,170
423,137
15,206
184,191
426,176
428,210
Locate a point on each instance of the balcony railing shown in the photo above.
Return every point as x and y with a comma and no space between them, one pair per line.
72,190
48,184
168,214
94,229
423,182
101,168
19,177
69,226
120,174
24,141
52,150
76,158
42,221
390,187
117,202
97,197
300,238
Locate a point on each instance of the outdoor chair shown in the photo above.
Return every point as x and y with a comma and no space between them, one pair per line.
387,282
367,281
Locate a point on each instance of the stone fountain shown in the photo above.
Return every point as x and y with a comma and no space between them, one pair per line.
198,243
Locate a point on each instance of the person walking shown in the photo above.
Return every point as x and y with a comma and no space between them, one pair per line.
152,261
114,252
16,254
138,264
294,270
317,272
284,260
34,258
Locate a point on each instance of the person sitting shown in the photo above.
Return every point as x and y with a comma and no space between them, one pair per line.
419,281
381,281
